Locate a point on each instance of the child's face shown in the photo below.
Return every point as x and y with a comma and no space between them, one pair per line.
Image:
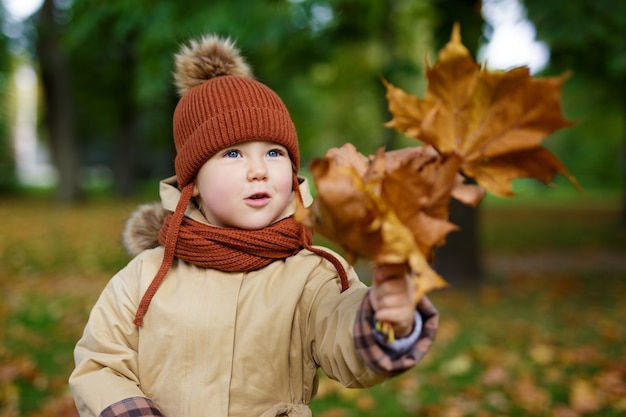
246,186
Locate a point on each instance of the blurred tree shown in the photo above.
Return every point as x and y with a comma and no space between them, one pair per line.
324,58
7,166
59,110
460,259
588,38
117,49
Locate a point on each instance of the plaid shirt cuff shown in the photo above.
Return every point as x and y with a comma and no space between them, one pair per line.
132,407
383,361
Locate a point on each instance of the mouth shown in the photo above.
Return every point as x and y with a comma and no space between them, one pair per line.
258,199
258,196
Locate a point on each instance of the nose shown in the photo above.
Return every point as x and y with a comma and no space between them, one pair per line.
257,170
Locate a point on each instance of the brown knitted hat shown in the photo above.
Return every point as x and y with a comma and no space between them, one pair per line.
221,105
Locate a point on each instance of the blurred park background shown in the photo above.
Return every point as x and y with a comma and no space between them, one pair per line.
532,324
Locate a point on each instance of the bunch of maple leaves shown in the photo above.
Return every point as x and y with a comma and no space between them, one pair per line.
393,207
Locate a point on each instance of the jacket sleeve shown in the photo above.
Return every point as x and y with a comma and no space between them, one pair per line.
341,333
385,361
105,380
132,407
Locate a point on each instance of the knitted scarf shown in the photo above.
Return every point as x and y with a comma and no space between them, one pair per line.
229,249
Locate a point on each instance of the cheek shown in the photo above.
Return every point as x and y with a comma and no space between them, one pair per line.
215,189
285,182
218,187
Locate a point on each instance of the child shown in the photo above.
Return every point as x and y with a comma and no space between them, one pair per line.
228,309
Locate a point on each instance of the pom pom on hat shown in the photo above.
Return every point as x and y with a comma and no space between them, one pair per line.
207,58
222,105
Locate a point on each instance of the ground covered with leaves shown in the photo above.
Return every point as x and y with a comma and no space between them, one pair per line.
542,336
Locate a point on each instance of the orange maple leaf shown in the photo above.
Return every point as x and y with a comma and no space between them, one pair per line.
418,183
357,207
495,121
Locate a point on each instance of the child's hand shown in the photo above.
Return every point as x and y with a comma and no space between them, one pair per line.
392,297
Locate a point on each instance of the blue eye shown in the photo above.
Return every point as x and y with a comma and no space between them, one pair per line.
274,153
231,154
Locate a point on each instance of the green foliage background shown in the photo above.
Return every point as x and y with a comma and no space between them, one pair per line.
326,59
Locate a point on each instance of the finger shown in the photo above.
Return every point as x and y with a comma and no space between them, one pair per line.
395,315
402,319
397,284
387,271
395,299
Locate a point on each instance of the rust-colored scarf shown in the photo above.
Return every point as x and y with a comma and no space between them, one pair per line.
229,249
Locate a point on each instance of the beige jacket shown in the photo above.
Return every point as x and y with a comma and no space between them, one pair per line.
215,343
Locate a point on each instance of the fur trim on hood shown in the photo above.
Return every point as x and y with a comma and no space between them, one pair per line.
142,228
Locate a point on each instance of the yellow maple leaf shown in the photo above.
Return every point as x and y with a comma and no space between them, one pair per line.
495,121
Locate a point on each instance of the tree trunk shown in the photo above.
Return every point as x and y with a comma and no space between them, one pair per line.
125,157
459,261
58,104
624,160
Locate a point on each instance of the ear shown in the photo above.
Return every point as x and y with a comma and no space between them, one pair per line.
196,191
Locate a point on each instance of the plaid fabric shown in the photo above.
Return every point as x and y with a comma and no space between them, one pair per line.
132,407
382,360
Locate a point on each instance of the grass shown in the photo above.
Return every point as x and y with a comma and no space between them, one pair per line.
527,343
520,347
